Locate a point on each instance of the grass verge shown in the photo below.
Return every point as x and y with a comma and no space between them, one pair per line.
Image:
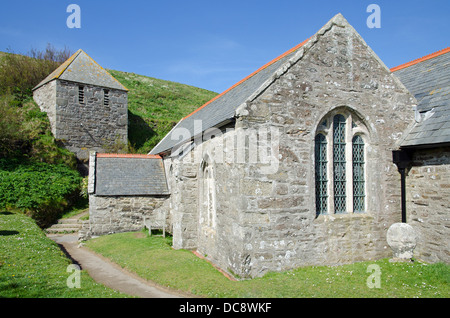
153,258
33,266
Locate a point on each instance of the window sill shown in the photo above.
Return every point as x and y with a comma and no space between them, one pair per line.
342,216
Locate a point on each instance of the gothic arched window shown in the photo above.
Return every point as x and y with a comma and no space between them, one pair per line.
339,175
358,174
321,174
339,152
208,197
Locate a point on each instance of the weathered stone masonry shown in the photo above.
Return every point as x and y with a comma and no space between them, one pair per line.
45,97
86,106
93,125
123,190
88,126
428,203
267,221
244,189
116,214
425,155
337,74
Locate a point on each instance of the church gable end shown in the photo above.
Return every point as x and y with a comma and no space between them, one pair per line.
304,174
334,80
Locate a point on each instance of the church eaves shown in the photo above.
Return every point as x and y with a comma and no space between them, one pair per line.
222,108
228,105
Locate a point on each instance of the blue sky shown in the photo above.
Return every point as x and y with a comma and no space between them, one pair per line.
214,44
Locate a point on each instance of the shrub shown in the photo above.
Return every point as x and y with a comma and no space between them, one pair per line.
38,189
25,132
10,123
20,73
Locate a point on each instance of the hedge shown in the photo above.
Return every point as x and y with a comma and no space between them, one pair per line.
38,189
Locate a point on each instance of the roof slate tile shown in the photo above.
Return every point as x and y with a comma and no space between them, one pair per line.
127,175
428,79
81,68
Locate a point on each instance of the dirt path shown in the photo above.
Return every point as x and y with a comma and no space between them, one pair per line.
108,273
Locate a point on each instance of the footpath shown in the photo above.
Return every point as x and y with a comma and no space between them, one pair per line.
107,273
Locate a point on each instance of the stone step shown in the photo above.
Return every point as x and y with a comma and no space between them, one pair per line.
52,230
62,225
65,226
68,221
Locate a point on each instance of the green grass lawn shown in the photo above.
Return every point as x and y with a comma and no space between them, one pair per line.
153,258
33,266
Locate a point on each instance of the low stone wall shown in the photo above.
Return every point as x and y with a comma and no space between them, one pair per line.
115,214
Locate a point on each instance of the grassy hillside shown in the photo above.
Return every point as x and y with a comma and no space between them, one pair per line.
29,154
155,106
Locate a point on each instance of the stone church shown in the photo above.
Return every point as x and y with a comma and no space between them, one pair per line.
307,161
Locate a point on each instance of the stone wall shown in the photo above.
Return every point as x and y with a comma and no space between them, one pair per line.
115,214
215,234
45,97
88,126
183,202
265,216
121,209
337,74
428,203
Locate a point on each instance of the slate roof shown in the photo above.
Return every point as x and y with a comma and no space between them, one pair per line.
81,68
226,106
222,108
117,174
428,79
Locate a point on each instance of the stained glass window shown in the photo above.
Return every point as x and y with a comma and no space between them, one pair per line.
358,174
344,172
339,177
321,174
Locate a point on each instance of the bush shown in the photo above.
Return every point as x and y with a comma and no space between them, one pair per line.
37,176
10,123
40,190
19,74
25,132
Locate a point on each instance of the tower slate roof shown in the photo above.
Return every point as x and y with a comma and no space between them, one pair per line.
428,79
81,68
